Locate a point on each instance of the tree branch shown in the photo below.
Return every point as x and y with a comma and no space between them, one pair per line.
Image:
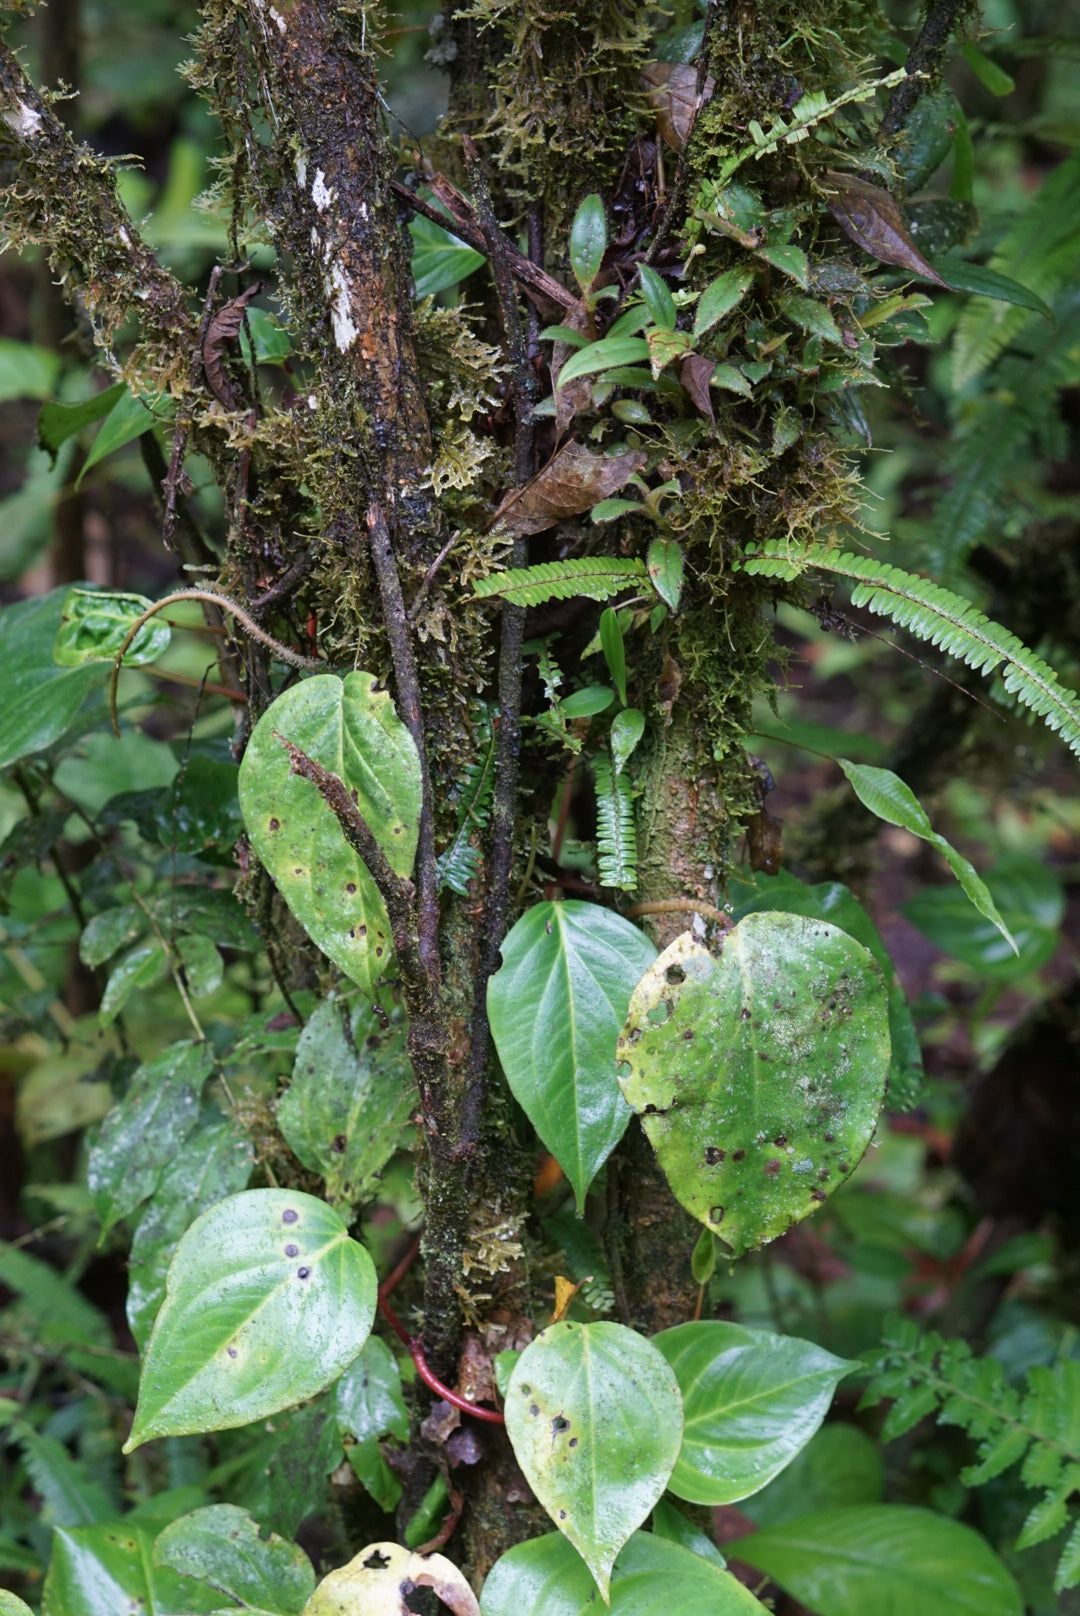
923,65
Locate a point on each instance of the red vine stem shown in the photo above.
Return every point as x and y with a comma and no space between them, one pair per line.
416,1346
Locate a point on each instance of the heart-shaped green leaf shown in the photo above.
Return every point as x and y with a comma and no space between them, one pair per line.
221,1545
759,1076
652,1577
350,1099
351,728
108,1569
555,1008
267,1301
751,1401
884,1558
594,1415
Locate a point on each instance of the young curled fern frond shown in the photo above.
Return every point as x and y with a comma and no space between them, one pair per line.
616,838
458,863
935,614
594,577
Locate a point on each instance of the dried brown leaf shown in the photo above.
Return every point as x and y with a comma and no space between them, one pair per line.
672,93
223,328
694,375
573,481
872,219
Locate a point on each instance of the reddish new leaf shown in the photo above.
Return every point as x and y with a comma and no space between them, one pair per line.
872,219
573,481
694,375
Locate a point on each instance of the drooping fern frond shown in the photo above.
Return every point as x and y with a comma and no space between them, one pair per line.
935,614
1039,1426
458,863
616,839
594,577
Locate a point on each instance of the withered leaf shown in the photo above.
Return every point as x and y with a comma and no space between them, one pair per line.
577,394
223,328
694,374
672,93
382,1577
573,481
872,219
764,842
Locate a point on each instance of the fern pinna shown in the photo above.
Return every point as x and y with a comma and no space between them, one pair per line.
472,795
616,839
935,614
591,577
1040,1425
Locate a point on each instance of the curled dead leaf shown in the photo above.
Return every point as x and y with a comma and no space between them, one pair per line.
379,1579
694,373
223,328
872,219
672,94
573,481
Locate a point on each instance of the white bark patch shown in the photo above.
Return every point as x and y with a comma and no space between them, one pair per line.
321,194
124,237
301,171
23,119
312,402
339,289
279,19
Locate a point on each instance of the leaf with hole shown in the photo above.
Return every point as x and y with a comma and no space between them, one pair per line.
752,1400
377,1581
594,1416
588,241
267,1301
886,796
759,1076
884,1558
348,1105
143,1132
222,1546
555,1006
351,728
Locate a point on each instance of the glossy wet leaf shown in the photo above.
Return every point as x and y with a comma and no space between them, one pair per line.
377,1581
267,1301
751,1401
200,811
213,1162
94,625
653,1576
611,643
141,967
351,728
665,564
627,728
840,1465
587,702
221,1546
109,1570
886,795
871,217
588,241
759,1075
555,1007
1031,902
369,1406
836,903
351,1096
884,1558
41,700
594,1415
144,1130
606,354
669,1522
658,298
720,297
107,932
573,481
202,967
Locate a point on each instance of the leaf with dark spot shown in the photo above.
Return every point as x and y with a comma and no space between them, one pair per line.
872,219
573,481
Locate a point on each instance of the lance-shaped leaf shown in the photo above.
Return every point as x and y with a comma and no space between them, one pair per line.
350,1098
752,1401
95,622
872,219
665,566
379,1579
555,1007
594,1415
267,1301
574,480
143,1132
108,1569
759,1076
221,1545
351,728
588,241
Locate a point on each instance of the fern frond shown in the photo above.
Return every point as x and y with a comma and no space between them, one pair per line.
457,865
616,838
937,615
594,577
811,109
1039,1427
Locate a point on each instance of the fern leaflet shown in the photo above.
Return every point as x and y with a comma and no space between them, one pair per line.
595,577
616,839
935,614
1039,1426
472,794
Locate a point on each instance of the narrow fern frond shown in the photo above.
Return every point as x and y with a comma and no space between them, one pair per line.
1038,1428
458,864
616,838
594,577
935,614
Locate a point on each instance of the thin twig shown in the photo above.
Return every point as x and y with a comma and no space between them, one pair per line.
429,576
923,64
